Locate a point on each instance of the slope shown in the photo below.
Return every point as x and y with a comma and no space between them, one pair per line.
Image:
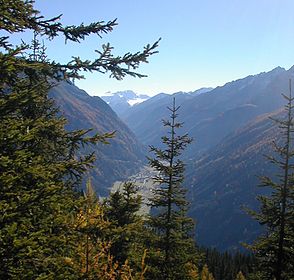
145,119
225,180
210,117
115,161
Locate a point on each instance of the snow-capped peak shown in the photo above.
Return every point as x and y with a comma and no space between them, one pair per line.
136,101
122,100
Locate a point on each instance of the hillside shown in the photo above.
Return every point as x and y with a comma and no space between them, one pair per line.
115,161
212,116
145,118
226,179
232,132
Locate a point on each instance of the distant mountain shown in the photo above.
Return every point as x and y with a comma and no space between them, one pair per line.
145,118
210,117
231,132
121,101
114,162
201,90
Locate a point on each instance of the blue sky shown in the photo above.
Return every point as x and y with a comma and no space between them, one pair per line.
204,43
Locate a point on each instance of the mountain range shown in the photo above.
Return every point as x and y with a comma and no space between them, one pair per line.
210,117
231,129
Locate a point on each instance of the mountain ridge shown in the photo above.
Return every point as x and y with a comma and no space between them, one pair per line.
231,132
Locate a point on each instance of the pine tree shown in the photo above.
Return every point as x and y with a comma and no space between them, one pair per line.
225,265
174,247
40,169
274,250
121,208
38,176
93,258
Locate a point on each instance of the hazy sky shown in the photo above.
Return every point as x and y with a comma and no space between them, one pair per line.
204,43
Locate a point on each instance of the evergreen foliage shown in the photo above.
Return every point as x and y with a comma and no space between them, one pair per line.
225,266
121,208
93,258
40,167
19,16
39,172
172,229
274,250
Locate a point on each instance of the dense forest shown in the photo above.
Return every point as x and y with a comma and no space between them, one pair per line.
54,227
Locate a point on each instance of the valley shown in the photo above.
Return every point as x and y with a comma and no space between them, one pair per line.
232,132
112,168
143,181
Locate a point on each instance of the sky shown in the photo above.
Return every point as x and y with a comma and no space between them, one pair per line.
205,43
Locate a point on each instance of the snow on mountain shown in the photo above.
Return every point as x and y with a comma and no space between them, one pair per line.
136,101
122,100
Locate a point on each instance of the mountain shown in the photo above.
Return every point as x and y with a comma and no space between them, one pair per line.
200,91
225,180
123,100
210,117
231,131
114,162
145,118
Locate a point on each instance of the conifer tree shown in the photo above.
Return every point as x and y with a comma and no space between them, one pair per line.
169,223
92,258
40,168
121,208
38,176
274,250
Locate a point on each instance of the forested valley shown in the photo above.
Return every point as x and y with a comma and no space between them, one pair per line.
57,222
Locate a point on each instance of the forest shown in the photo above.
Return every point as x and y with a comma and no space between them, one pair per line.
52,223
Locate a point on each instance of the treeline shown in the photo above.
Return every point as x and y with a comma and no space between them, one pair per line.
226,265
51,229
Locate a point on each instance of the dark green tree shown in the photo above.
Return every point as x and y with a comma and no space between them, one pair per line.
18,16
40,167
275,249
172,229
225,265
121,208
38,175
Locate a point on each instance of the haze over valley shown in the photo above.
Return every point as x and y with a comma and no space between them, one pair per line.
232,131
